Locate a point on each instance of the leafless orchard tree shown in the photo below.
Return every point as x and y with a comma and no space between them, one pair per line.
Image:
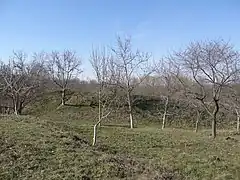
22,80
198,115
107,78
131,64
187,92
195,105
231,101
168,86
212,66
62,67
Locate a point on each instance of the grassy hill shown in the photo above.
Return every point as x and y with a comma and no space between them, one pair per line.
54,142
84,105
60,148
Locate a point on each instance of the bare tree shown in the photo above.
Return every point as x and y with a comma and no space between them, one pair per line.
168,87
107,79
22,80
231,101
99,61
196,106
212,66
63,66
131,64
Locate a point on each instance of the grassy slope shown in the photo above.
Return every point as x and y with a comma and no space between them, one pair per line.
45,148
57,145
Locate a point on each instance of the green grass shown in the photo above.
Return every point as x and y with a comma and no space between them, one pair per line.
58,146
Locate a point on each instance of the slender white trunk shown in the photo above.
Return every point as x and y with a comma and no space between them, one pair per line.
197,121
16,102
238,120
131,120
99,119
95,132
238,123
99,107
130,110
95,129
165,113
15,109
63,96
8,110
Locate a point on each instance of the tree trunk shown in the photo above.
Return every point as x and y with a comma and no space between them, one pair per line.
197,121
238,120
131,120
238,123
95,128
95,132
165,113
20,107
130,109
16,105
214,119
8,110
99,108
63,96
15,109
214,126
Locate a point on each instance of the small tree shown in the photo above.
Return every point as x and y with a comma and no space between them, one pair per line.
62,68
212,66
131,64
196,106
22,80
107,79
231,101
168,87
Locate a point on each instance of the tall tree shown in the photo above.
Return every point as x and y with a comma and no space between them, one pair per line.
131,64
212,66
63,66
107,78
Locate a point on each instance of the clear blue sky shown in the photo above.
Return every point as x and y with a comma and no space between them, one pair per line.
155,26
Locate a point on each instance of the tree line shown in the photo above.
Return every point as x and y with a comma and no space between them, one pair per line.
204,76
